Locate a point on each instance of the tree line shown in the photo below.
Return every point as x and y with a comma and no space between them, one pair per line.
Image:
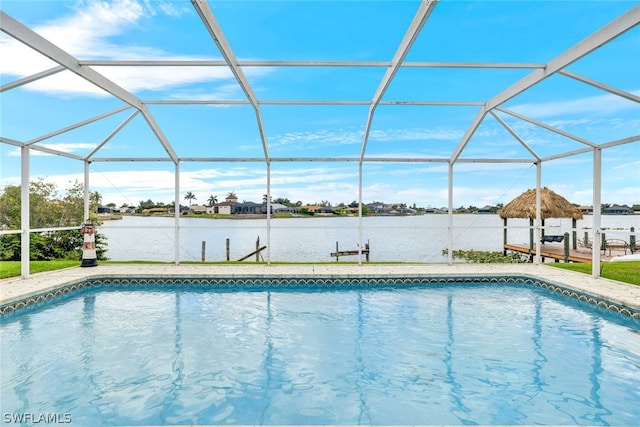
48,209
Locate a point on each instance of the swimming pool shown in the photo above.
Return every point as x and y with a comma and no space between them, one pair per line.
322,351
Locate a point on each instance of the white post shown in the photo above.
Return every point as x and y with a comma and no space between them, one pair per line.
597,184
176,209
538,226
24,213
268,212
359,212
450,251
87,199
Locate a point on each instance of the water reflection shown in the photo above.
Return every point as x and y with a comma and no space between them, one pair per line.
461,355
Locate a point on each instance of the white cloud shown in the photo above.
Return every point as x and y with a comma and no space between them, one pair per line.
635,164
86,34
326,137
171,8
415,134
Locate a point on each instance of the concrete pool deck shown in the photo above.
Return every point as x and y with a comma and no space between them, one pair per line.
15,289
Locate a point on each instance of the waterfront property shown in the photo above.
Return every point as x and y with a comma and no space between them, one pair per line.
363,123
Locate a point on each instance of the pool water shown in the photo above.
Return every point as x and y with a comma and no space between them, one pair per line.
438,354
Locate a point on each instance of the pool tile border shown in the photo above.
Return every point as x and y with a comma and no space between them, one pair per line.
291,282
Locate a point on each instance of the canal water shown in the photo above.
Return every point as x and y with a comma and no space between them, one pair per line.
403,239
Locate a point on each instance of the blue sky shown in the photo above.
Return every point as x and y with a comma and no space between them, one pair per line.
456,31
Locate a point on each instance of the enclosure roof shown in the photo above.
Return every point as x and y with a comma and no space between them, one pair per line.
420,81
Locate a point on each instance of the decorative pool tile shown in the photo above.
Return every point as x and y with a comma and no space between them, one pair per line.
255,283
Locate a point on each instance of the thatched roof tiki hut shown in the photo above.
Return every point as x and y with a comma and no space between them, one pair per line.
552,205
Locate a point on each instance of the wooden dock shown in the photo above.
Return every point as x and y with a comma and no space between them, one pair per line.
338,253
555,251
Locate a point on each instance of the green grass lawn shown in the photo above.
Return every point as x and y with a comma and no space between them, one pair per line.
12,268
628,271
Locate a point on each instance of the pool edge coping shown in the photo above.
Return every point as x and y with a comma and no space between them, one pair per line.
67,285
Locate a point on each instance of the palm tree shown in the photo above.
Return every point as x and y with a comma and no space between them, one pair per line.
189,196
95,199
212,200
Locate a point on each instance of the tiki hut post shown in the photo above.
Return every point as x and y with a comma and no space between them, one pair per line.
504,237
574,233
530,233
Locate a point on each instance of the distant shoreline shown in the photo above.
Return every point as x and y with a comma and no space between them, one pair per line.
116,217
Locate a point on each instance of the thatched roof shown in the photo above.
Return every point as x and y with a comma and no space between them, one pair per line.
551,205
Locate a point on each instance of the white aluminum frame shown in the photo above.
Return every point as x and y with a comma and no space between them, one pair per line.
490,107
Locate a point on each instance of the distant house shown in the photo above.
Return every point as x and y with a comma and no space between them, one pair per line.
347,210
485,210
223,208
320,210
406,211
248,208
198,209
617,210
380,208
279,208
104,210
586,210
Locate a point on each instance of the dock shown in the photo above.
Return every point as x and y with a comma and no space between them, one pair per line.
338,253
556,252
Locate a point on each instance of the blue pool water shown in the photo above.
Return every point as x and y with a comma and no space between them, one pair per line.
438,354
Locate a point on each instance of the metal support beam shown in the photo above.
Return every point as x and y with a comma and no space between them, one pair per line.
586,46
607,88
515,135
582,48
310,63
434,103
597,206
176,214
31,78
52,151
538,225
77,125
547,127
421,16
210,22
268,212
622,141
25,213
360,212
38,43
112,134
468,134
567,154
450,215
86,195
